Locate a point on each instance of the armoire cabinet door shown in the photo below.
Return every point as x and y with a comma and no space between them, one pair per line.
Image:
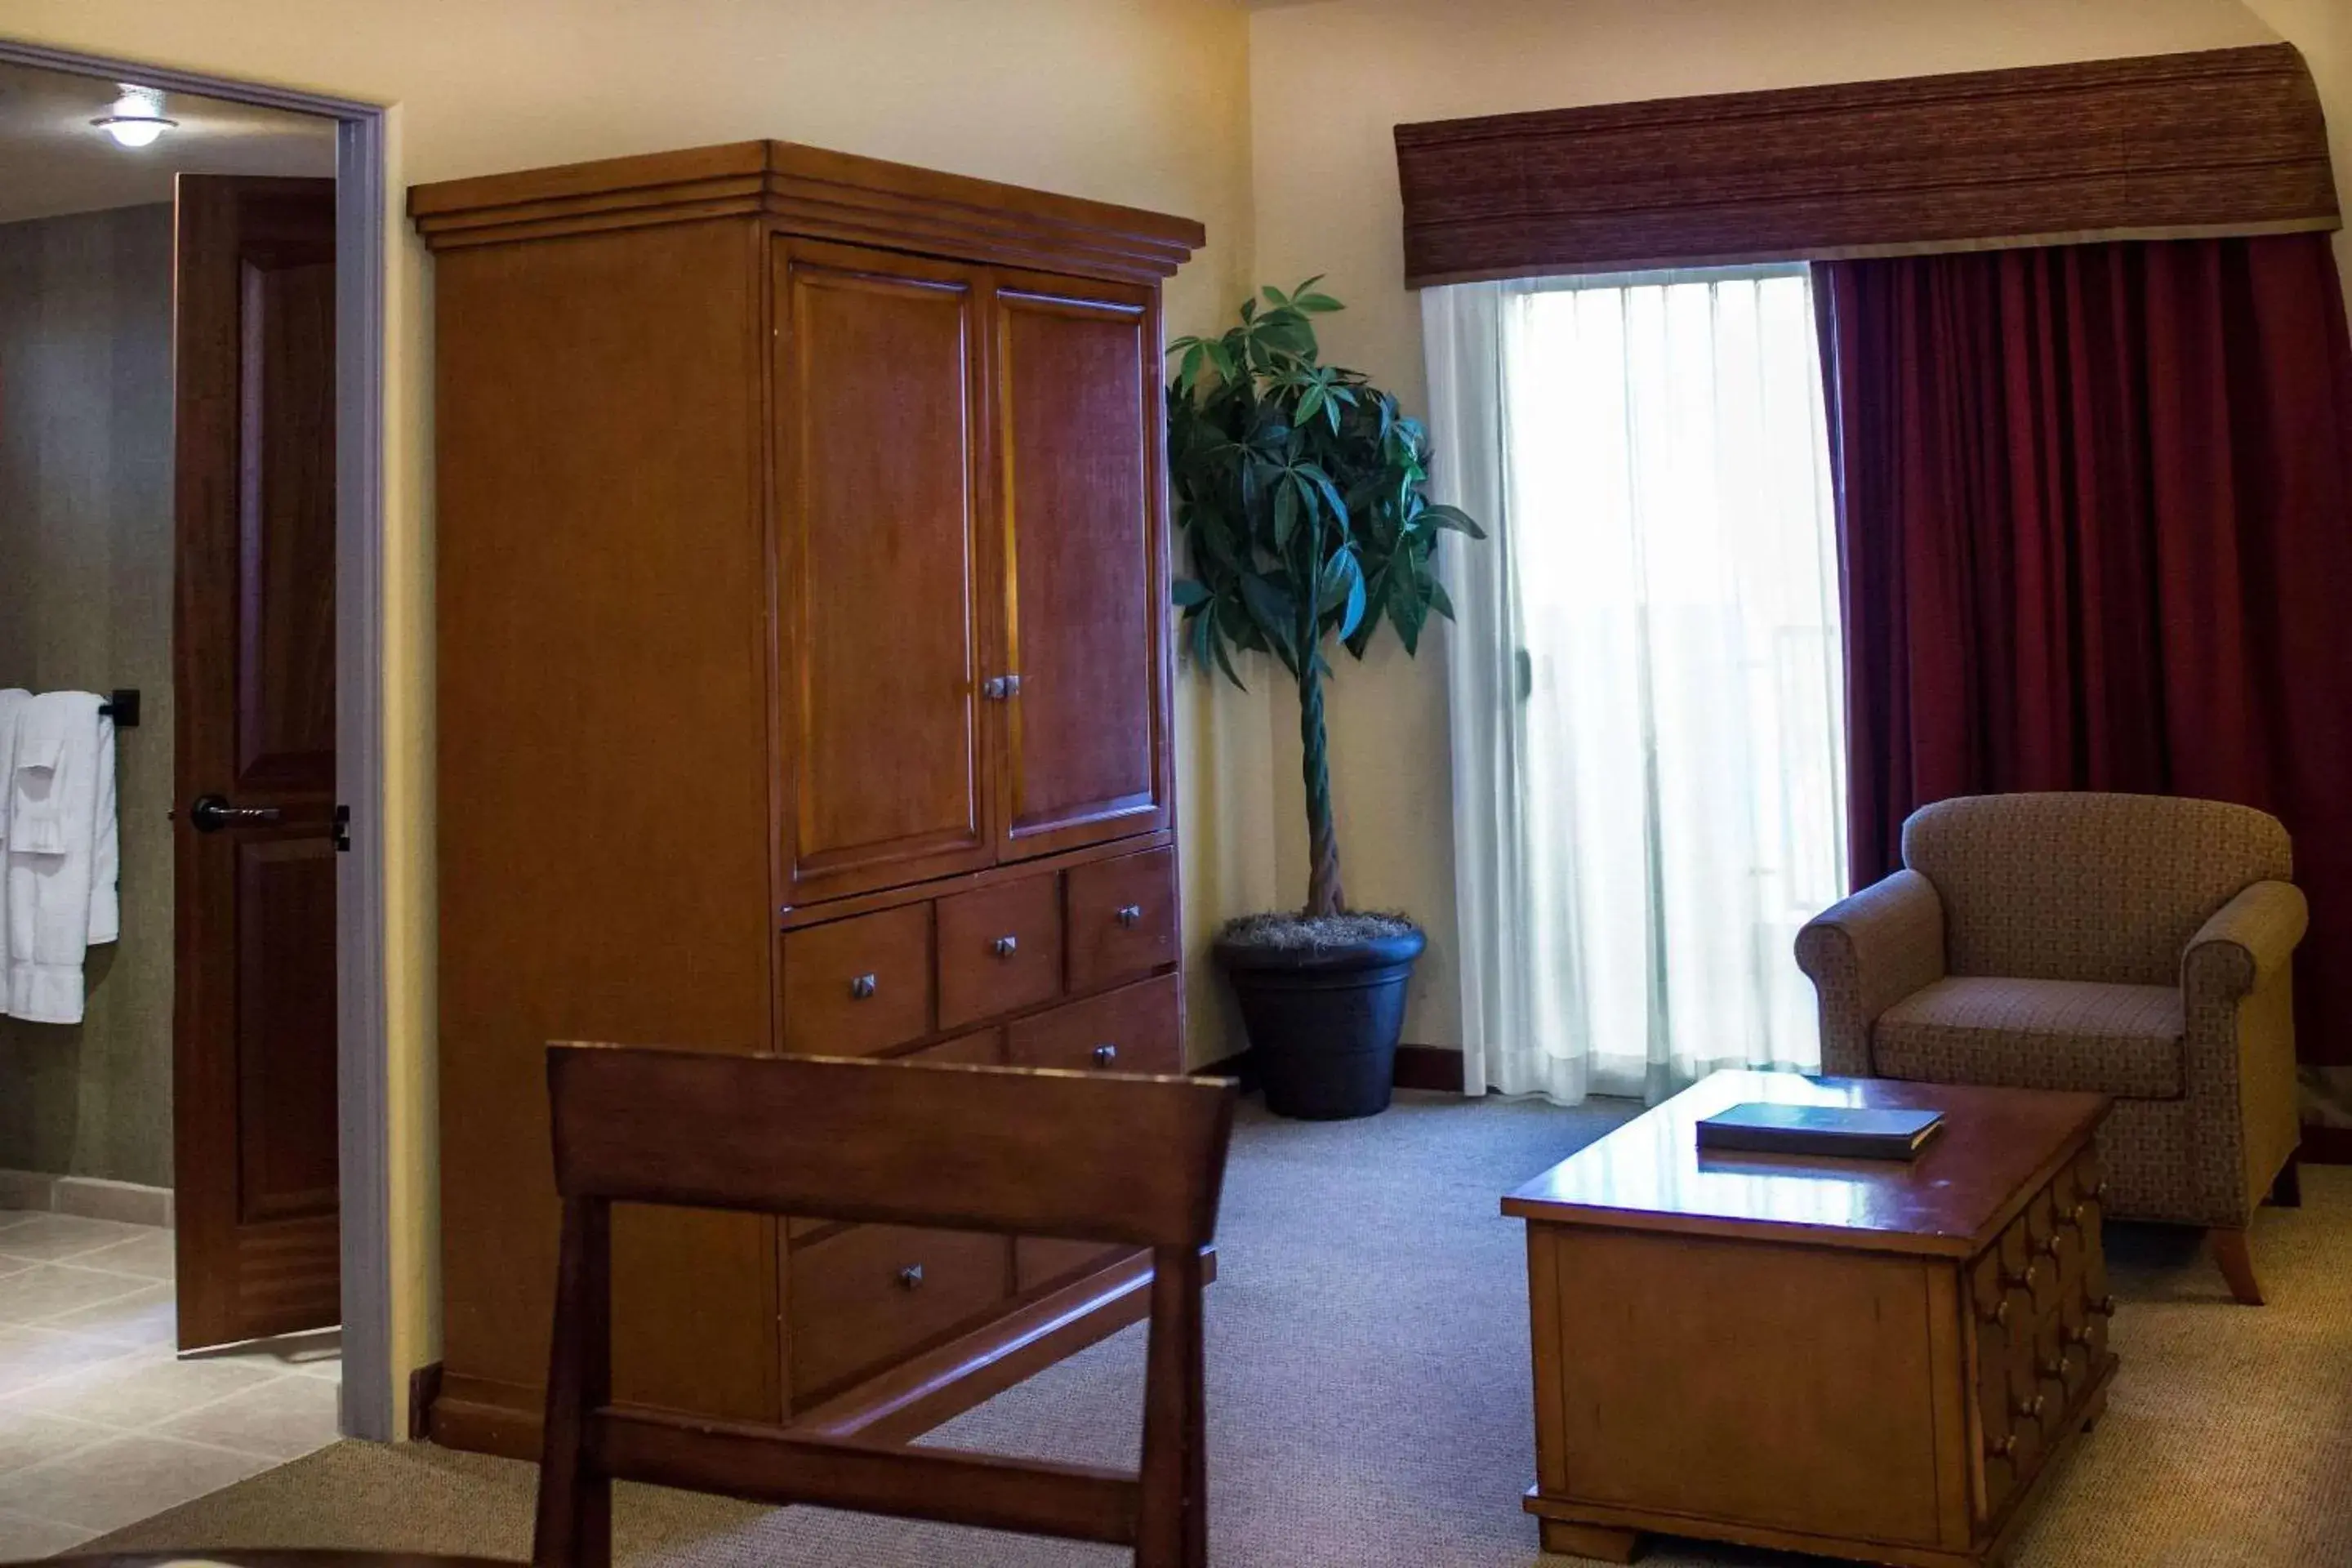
1077,422
885,775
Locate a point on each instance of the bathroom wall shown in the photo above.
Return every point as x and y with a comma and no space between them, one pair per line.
86,603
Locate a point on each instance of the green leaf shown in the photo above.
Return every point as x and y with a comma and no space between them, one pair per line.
1189,374
1285,513
1275,297
1274,612
1439,599
1354,613
1318,304
1221,355
1190,593
1454,518
1310,400
1249,309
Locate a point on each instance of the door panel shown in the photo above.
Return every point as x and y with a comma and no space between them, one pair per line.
1078,429
879,536
254,1111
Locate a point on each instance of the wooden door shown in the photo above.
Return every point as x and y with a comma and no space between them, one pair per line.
253,1122
885,771
1078,431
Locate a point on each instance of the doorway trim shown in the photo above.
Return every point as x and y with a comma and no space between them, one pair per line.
363,1088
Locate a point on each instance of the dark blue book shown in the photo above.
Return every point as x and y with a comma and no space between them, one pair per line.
1856,1132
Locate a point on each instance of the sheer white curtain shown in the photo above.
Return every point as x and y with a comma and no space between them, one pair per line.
1647,692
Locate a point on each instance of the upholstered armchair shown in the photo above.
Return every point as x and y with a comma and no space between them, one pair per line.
2133,945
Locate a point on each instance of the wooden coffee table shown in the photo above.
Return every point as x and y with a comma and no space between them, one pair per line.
1860,1358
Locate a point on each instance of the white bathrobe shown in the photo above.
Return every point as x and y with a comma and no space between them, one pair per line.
62,856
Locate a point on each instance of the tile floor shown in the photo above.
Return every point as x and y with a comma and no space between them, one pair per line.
100,1423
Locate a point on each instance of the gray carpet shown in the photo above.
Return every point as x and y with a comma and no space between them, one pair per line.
1368,1371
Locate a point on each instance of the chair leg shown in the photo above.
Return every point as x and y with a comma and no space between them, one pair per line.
2286,1192
2237,1264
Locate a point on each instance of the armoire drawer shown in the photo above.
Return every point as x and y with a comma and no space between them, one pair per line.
999,949
1132,1029
875,1294
1122,917
855,986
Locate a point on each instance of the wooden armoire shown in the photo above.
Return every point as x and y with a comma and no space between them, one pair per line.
804,675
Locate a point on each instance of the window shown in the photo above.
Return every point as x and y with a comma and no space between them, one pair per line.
1655,641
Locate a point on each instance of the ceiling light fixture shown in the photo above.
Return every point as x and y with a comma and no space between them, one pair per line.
138,118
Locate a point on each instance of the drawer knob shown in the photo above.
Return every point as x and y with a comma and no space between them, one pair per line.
911,1278
2005,1447
2075,1216
2080,1335
2104,1306
1999,1316
2050,1244
1130,914
1105,1054
2053,1366
1005,946
2024,1281
2031,1409
861,988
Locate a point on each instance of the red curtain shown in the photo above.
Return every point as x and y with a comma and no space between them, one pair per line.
2094,511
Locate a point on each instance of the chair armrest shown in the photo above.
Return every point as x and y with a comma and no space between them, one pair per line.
2249,940
1866,953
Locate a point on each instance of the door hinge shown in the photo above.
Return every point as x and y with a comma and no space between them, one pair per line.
343,829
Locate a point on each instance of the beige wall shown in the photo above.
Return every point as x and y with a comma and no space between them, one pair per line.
1140,101
1328,82
86,605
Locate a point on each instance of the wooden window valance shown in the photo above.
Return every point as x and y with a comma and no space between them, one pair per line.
2220,142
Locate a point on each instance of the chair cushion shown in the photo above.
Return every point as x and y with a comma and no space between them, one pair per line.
2036,1033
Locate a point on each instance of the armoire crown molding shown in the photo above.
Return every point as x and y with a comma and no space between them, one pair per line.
814,192
2220,141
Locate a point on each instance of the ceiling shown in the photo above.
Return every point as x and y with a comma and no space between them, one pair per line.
52,160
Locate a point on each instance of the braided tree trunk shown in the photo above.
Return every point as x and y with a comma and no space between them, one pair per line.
1324,894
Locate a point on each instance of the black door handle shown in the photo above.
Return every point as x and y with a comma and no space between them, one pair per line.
211,812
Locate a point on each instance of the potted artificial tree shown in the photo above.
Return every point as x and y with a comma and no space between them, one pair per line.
1300,489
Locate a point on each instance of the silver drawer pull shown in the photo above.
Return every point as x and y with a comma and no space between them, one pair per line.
1005,946
861,988
1130,914
1105,1054
911,1278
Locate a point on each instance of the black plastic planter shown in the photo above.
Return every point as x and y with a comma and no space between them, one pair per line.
1324,1021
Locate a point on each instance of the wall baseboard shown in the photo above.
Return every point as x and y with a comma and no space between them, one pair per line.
2325,1144
1417,1067
424,1388
91,1197
1429,1066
